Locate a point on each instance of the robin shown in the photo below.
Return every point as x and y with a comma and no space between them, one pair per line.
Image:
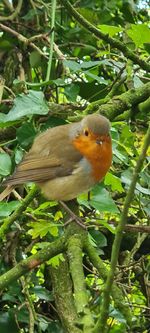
66,160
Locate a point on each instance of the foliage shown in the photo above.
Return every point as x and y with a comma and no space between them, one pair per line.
86,73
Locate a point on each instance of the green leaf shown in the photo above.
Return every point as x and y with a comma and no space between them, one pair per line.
109,29
41,228
54,262
6,208
114,182
127,178
35,59
73,65
97,78
26,134
89,64
108,226
102,201
98,237
140,34
71,92
8,322
26,105
42,293
5,164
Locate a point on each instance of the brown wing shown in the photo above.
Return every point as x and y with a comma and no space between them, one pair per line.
51,155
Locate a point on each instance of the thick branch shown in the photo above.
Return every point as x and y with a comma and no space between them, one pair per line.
62,289
80,292
121,103
101,323
112,41
31,262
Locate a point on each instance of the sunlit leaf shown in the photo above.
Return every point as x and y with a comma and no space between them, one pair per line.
114,182
140,34
110,29
42,228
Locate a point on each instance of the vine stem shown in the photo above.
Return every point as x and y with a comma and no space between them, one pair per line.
51,40
100,326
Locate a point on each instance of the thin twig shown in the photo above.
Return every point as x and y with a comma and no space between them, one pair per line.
101,323
51,40
22,39
73,216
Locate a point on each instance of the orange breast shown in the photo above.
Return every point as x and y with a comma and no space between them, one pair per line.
99,155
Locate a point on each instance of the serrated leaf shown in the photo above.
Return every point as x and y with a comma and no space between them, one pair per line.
5,164
41,228
54,262
140,34
114,182
58,215
102,201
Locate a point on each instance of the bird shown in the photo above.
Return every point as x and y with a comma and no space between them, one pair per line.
66,160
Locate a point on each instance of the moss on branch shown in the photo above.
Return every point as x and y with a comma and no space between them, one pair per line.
31,262
118,104
62,289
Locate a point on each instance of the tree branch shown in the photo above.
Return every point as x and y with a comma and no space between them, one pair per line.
112,41
101,323
14,14
22,39
31,262
80,292
121,103
62,289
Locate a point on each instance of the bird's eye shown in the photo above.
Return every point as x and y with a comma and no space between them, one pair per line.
86,132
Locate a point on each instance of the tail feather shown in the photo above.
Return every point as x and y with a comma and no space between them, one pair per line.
6,192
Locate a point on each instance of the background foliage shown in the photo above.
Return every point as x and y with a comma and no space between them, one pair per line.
86,73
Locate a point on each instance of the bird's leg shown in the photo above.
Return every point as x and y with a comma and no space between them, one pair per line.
72,215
